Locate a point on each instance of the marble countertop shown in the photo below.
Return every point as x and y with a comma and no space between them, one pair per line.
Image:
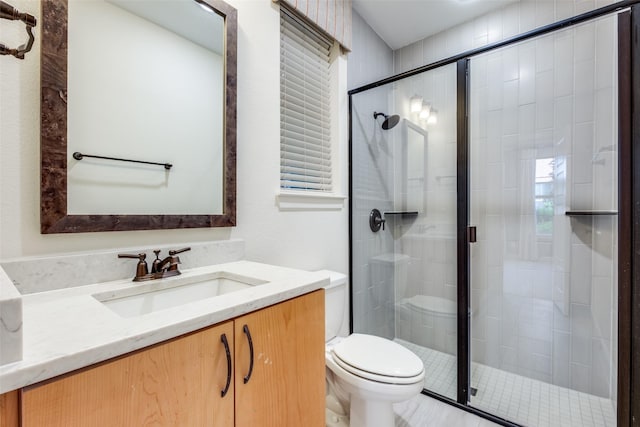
68,329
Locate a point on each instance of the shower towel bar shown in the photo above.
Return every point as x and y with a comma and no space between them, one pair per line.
402,213
79,156
589,213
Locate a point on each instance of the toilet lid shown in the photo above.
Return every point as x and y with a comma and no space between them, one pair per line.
376,377
378,357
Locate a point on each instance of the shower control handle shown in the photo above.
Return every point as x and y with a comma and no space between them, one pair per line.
376,221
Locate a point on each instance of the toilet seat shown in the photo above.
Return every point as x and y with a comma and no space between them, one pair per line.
374,377
377,359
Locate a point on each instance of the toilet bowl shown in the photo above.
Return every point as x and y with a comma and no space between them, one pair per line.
428,321
366,372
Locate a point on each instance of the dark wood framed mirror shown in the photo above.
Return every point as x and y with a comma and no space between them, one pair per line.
57,158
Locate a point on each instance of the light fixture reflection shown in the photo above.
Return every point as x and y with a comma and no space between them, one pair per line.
433,117
415,103
425,112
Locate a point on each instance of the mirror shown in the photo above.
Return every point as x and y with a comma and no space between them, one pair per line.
138,115
415,161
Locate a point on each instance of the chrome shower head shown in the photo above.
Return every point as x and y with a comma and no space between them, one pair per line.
389,121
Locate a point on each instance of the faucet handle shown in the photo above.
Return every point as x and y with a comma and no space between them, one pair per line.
156,262
141,268
141,257
173,265
178,251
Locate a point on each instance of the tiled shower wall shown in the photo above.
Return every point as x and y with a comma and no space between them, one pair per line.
492,27
556,97
372,180
543,303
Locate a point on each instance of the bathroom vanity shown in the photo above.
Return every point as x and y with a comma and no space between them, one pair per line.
253,356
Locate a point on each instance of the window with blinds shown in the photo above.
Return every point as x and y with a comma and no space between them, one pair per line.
305,125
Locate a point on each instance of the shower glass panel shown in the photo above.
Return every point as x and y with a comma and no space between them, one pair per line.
543,196
404,274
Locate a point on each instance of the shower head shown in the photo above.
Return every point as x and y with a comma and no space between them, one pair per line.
389,121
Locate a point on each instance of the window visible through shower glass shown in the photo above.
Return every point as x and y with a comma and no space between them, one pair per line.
544,196
404,276
543,142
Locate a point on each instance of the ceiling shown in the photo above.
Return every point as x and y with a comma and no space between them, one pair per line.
402,22
184,17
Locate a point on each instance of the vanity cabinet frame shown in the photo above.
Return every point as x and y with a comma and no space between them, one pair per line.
179,382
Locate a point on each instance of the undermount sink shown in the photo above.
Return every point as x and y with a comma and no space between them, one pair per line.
162,294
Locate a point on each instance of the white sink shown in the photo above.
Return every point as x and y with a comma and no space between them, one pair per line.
161,294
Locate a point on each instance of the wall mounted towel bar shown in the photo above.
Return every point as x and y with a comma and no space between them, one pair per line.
79,156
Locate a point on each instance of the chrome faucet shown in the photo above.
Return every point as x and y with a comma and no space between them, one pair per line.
166,267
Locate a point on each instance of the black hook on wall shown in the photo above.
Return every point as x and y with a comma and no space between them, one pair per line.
9,12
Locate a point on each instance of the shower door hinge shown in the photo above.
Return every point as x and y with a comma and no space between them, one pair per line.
471,234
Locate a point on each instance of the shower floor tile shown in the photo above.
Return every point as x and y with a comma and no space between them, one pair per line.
514,397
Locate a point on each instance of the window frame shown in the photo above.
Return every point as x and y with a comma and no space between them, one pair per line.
308,199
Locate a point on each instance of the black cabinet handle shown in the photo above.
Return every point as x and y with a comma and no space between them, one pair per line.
245,329
223,338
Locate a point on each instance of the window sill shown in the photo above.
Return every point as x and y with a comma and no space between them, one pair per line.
304,201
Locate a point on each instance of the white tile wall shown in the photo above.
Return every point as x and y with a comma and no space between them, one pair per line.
550,103
498,25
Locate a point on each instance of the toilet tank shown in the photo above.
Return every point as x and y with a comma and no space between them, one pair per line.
335,303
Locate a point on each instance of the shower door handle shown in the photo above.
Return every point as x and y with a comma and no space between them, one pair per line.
471,234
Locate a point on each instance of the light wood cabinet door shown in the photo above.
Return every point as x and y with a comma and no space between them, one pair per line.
286,387
177,383
9,409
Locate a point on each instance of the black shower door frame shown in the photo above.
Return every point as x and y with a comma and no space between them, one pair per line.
628,381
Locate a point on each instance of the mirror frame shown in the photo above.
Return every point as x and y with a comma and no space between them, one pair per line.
54,217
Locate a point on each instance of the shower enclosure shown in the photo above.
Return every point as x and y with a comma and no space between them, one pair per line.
494,253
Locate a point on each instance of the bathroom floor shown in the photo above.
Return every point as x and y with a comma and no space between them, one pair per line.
424,411
514,397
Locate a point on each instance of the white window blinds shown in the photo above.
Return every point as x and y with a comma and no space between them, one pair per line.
305,144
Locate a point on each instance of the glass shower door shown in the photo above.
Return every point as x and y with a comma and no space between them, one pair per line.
543,196
404,274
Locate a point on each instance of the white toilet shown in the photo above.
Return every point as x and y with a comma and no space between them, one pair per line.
370,372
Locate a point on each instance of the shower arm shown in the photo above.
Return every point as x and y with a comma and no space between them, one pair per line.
9,12
389,121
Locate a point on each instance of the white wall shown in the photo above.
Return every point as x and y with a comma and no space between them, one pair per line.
370,59
310,240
